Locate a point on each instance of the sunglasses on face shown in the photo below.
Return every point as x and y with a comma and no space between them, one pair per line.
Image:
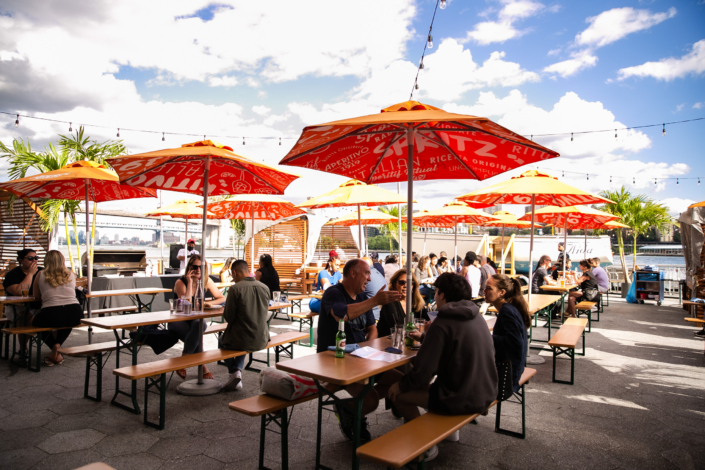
196,268
32,258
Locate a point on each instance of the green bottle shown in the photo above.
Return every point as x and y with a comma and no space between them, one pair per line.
410,327
340,340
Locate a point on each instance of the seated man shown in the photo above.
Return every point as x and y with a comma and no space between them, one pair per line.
459,350
246,313
376,283
346,301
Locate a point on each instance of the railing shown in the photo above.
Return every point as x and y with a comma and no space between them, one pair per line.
508,250
671,282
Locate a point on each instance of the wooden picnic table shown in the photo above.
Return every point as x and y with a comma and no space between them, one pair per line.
686,303
325,367
539,302
563,291
15,299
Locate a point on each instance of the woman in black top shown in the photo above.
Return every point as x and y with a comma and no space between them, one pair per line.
588,288
394,313
513,319
267,275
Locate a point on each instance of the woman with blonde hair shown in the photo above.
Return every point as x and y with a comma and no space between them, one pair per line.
395,312
55,288
425,277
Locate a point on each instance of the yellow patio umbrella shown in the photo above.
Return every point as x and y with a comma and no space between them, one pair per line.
454,212
506,219
184,209
533,187
355,193
367,216
697,204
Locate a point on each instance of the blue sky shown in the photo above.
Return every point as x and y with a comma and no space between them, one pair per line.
270,68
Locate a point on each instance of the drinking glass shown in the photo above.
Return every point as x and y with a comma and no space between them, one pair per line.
172,305
420,325
187,309
277,296
25,293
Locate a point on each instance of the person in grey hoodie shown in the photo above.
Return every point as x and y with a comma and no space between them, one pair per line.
458,348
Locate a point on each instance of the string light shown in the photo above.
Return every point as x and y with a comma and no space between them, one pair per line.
633,180
421,65
571,136
70,129
610,178
430,41
615,133
163,139
698,181
17,121
427,45
416,86
562,174
443,4
588,176
677,183
118,134
280,140
664,129
654,181
243,141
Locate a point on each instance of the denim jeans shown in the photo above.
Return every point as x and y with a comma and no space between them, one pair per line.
233,363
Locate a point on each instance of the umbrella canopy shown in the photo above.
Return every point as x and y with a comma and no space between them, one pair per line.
73,180
697,204
205,168
183,169
184,209
506,219
413,141
367,217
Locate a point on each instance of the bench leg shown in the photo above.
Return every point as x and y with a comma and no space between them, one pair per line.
34,340
520,399
96,361
570,352
282,420
309,323
284,350
160,384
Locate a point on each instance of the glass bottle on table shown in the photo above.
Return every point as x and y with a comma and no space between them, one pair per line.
340,340
410,327
198,298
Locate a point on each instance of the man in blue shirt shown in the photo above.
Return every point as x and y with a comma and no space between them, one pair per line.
376,283
346,301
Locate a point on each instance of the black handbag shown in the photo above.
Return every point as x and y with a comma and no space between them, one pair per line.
505,385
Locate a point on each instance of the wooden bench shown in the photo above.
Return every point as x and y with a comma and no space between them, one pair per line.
283,345
521,399
107,311
154,373
695,320
409,441
585,308
271,409
305,318
296,300
565,342
94,361
34,339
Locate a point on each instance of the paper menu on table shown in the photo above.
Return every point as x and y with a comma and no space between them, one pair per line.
375,354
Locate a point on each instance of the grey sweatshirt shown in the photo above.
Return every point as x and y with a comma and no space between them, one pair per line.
457,347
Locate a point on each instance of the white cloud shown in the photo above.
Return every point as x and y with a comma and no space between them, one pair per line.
503,28
605,28
261,110
676,205
612,25
223,81
699,105
692,63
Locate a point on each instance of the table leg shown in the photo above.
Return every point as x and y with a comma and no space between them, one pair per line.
332,399
140,304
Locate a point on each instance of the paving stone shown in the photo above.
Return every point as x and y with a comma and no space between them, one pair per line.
20,459
200,462
179,447
234,450
71,441
27,420
228,429
68,460
80,405
125,444
142,461
22,438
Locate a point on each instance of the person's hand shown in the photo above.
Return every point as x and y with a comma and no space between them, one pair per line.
383,297
192,275
416,335
394,391
33,268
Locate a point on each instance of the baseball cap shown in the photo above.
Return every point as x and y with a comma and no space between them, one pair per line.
561,244
191,240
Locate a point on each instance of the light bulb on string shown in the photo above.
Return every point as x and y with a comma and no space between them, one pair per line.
633,180
698,181
163,139
243,141
562,174
654,181
677,183
571,136
280,140
118,133
421,65
664,130
610,179
17,121
615,133
443,4
70,127
588,176
430,42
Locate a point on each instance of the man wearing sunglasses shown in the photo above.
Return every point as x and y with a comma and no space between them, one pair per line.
19,282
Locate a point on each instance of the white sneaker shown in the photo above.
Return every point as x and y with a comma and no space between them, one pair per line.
431,454
455,437
234,383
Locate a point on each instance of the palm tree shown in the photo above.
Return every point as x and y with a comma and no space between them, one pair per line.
392,229
238,226
644,216
622,207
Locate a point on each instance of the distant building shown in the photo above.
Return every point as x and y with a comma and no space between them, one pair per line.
665,235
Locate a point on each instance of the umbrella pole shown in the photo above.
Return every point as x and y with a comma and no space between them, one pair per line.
532,359
585,249
502,253
565,246
186,231
455,230
161,238
201,386
88,261
425,232
359,231
252,246
399,221
410,135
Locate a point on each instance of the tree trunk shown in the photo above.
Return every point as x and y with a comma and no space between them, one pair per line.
634,252
68,243
78,245
620,240
95,210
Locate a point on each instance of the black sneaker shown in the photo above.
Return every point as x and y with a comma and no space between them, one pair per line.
700,334
345,421
365,435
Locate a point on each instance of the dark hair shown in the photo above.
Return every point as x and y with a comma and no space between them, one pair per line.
542,260
513,295
330,263
391,259
442,260
227,264
432,255
350,265
492,263
453,286
240,266
190,262
266,260
417,299
470,257
586,263
22,254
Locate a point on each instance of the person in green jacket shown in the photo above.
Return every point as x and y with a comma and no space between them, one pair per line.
246,310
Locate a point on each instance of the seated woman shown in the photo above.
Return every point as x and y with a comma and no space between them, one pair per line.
588,288
187,331
433,265
443,266
513,319
391,265
423,273
225,274
327,277
55,288
267,275
395,313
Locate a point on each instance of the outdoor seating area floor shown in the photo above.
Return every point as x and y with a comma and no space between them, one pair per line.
638,403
